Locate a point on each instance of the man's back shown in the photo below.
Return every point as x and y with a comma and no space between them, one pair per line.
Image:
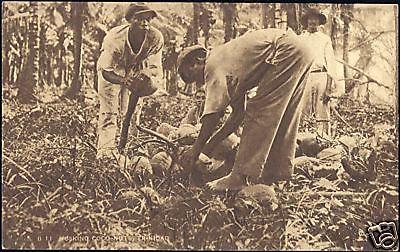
244,50
244,56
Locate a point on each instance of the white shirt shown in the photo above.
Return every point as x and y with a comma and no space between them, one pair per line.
324,56
116,53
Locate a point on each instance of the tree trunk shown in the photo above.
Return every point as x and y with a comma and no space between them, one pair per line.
396,27
49,65
60,58
334,26
229,18
280,16
6,52
292,20
299,14
42,54
268,15
206,22
192,35
100,34
28,77
346,17
196,22
77,25
173,88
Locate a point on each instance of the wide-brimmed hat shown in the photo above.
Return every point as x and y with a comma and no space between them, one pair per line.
192,51
137,9
313,12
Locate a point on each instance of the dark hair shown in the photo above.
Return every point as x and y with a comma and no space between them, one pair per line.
193,59
139,9
189,59
312,12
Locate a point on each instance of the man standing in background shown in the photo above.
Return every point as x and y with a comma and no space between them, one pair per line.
320,94
130,61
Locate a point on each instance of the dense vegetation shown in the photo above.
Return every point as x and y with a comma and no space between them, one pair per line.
57,195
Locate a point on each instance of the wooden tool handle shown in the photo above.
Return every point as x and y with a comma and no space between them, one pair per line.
133,100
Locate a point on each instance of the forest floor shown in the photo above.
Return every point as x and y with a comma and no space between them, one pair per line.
57,195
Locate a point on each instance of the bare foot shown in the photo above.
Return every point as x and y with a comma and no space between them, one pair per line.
229,182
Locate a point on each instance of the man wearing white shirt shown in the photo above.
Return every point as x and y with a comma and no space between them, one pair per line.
130,61
319,95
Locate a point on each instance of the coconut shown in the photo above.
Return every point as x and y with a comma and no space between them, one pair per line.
140,165
161,162
226,146
166,129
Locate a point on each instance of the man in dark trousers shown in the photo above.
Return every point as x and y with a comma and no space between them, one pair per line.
277,63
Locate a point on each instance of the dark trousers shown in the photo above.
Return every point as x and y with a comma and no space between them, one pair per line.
272,117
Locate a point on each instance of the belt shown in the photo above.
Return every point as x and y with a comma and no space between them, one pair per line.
322,70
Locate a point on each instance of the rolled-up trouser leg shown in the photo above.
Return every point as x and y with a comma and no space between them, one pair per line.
264,112
108,115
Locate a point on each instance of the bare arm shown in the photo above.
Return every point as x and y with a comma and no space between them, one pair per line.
209,123
338,89
130,82
112,77
231,124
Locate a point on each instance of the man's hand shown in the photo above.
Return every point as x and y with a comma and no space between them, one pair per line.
333,103
190,156
325,98
230,125
332,99
329,97
140,84
134,82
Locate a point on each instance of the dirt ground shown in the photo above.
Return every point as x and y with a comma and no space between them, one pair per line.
57,195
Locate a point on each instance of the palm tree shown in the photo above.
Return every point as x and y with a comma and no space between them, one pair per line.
292,16
268,15
230,20
346,15
196,22
28,77
6,47
77,9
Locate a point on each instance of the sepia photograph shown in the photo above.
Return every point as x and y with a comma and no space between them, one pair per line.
200,126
